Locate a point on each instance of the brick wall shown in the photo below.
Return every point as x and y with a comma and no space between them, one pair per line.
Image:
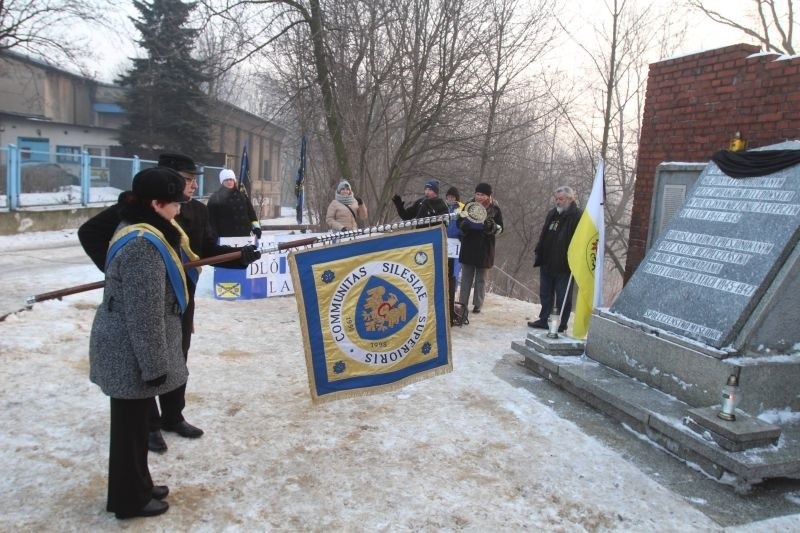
693,106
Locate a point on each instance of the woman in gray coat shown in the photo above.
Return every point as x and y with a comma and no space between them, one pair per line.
135,349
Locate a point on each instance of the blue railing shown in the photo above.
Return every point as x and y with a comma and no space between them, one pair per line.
37,179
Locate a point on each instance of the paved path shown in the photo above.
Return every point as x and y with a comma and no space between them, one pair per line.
26,272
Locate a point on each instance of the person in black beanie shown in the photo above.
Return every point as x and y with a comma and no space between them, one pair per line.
477,247
95,235
429,205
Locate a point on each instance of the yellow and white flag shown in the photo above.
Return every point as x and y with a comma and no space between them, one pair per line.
585,255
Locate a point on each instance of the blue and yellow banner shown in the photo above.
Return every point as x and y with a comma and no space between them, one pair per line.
373,312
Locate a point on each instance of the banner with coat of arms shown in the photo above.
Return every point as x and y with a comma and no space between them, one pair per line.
373,312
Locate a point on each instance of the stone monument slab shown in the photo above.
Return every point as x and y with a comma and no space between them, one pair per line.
717,258
742,434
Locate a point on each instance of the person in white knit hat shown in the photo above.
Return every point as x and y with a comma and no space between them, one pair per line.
230,212
346,211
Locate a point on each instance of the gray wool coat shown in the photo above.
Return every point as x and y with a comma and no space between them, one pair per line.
136,334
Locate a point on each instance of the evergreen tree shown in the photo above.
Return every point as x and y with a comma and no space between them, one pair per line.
167,109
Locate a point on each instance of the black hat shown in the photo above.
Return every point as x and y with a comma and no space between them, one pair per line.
159,183
179,162
452,191
484,188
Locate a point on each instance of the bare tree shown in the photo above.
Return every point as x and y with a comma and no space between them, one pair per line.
628,38
391,77
770,23
45,28
448,89
517,37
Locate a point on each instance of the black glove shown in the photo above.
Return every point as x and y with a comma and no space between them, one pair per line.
397,200
488,225
249,255
359,201
255,230
155,382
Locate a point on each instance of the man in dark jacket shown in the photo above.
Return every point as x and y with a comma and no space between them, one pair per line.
429,205
550,256
96,234
477,247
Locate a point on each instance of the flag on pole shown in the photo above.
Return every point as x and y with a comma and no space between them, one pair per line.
245,185
298,186
585,255
373,312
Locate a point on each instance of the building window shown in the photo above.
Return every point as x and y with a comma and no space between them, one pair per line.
68,154
98,156
266,175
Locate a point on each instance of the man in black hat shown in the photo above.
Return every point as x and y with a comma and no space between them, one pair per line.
95,236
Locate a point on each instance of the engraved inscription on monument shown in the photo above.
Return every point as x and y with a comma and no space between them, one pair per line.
711,265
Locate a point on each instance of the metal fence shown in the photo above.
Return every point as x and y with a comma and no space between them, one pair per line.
34,179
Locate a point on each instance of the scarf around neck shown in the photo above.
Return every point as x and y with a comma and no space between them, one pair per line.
172,261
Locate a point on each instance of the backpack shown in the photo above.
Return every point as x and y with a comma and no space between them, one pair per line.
460,314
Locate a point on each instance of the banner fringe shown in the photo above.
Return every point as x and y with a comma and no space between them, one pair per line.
379,389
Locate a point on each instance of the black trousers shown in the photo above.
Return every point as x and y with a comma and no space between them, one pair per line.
173,402
553,293
130,486
451,277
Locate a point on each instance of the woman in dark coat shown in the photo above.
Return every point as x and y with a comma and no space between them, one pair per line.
135,349
96,234
477,247
230,212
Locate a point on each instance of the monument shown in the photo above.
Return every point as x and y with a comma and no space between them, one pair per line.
707,273
722,281
717,295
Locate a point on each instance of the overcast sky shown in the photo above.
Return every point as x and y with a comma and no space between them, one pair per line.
113,48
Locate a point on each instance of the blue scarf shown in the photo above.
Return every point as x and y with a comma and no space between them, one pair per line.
172,261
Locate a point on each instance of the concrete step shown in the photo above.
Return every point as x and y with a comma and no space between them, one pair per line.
663,418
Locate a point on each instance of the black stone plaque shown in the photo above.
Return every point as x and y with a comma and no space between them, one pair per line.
711,265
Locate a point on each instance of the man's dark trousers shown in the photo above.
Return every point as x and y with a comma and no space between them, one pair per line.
173,402
552,288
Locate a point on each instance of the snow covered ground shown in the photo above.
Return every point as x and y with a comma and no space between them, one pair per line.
463,451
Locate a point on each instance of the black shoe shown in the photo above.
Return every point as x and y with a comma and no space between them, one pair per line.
541,324
562,329
476,309
185,429
153,508
155,442
160,492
